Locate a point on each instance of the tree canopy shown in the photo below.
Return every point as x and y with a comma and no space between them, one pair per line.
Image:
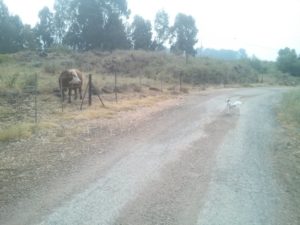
184,34
96,24
288,62
45,28
12,31
87,22
141,33
162,29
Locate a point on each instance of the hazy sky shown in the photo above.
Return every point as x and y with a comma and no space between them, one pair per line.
262,27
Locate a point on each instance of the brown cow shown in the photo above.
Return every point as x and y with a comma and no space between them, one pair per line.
71,79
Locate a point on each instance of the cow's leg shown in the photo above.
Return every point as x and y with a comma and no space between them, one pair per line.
75,90
63,94
70,92
80,93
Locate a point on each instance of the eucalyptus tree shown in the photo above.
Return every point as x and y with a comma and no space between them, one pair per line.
115,34
11,28
288,61
141,33
45,28
162,29
62,19
184,35
82,24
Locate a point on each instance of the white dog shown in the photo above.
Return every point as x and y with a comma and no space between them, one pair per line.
232,105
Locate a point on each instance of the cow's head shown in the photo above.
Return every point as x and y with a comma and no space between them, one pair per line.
75,78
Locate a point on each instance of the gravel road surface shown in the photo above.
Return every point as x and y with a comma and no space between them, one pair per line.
193,163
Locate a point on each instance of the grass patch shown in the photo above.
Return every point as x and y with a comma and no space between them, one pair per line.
112,109
290,108
288,149
5,58
17,132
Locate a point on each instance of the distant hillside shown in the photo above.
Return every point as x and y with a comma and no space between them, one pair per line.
225,54
142,68
154,66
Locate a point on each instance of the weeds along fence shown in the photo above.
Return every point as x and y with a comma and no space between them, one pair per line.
29,98
18,105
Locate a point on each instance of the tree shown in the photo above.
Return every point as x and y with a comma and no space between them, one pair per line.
90,19
115,35
184,33
257,65
44,29
288,62
161,27
29,38
11,27
3,12
141,33
62,19
86,23
225,54
242,53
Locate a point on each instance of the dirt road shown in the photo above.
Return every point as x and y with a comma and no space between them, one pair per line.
190,164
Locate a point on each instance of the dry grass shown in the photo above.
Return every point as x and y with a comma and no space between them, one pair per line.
288,150
290,108
138,71
17,131
52,121
111,109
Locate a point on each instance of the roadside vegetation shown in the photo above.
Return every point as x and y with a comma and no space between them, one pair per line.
150,59
141,76
288,153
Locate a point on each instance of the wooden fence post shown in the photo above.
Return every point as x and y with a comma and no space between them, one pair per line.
35,98
116,91
161,83
90,89
180,81
61,94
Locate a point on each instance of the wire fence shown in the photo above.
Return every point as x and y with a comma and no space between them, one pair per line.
30,104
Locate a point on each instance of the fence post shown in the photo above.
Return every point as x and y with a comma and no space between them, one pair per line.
161,83
61,94
35,98
90,89
180,81
116,91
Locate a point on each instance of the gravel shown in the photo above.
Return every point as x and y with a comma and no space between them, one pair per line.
192,163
